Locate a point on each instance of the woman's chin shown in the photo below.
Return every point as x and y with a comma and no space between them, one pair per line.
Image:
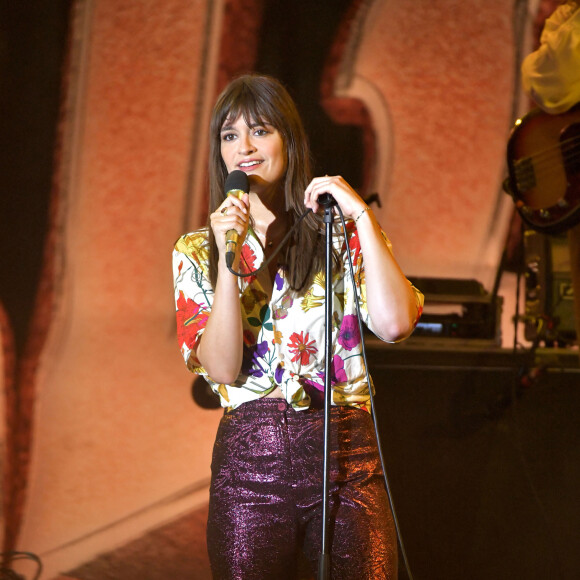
261,186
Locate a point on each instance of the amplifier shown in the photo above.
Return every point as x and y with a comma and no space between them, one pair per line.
549,294
458,308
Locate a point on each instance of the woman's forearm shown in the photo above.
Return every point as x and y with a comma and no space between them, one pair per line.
220,349
391,300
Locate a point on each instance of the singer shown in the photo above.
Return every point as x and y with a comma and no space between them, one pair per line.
259,342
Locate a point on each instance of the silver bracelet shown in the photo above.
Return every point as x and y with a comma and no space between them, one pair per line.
367,208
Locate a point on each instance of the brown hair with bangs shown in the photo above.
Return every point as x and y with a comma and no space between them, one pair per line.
263,99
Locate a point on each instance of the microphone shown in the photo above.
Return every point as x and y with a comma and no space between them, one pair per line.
237,183
326,200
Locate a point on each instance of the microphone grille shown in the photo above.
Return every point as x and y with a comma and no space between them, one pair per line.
237,180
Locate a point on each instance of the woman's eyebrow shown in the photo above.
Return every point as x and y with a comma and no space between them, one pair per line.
260,123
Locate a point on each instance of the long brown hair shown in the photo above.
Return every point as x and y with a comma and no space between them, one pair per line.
260,99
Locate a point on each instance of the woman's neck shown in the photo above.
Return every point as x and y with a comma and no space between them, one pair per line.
270,221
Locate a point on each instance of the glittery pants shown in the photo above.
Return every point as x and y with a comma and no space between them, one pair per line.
265,498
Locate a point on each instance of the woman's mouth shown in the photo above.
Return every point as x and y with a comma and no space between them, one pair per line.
249,164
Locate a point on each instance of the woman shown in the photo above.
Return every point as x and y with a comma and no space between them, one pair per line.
259,341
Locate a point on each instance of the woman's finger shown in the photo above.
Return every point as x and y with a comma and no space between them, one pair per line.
232,214
344,195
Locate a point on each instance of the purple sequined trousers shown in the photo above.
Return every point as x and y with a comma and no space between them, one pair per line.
265,499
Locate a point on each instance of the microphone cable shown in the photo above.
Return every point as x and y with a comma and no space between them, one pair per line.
274,253
372,399
364,356
6,560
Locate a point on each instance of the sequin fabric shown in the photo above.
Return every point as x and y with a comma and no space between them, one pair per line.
266,495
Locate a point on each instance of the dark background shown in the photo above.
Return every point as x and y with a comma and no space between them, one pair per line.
33,37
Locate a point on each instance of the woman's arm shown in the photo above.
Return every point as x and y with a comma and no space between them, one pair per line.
220,349
392,302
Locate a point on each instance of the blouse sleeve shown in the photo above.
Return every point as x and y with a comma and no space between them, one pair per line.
193,295
359,272
551,74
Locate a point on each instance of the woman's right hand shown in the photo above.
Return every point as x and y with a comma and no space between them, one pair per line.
232,214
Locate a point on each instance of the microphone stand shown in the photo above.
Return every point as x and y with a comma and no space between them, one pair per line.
327,201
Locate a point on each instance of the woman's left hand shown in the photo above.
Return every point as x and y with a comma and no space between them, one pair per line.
345,196
392,303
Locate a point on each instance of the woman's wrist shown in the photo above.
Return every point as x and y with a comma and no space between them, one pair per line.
361,213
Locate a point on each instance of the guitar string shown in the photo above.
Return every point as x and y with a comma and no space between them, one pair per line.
548,162
531,176
533,173
548,157
550,152
568,155
550,166
527,176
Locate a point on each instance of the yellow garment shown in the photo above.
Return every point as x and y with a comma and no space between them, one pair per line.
551,74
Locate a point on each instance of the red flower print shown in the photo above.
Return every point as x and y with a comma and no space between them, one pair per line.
190,319
301,348
419,312
247,260
354,245
249,338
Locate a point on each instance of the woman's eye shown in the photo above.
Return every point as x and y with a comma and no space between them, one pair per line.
260,132
228,137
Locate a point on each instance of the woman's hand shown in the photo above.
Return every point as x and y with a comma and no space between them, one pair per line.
232,214
391,301
345,196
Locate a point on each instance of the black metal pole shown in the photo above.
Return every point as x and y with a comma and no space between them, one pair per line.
327,201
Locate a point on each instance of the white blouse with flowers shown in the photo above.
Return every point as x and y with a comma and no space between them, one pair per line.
283,334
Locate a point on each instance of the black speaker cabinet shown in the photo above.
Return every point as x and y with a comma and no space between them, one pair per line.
482,451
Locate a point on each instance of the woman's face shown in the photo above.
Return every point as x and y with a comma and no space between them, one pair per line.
258,150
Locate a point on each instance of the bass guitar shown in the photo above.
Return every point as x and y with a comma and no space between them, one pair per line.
543,158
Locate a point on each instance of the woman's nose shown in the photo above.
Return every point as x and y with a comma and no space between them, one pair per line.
246,145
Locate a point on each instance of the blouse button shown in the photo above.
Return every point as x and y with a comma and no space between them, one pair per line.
281,406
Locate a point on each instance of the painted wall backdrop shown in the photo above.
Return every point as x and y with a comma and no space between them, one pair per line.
103,152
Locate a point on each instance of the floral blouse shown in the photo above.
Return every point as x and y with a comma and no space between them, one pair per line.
284,334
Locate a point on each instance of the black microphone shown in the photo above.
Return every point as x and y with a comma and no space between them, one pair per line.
326,200
237,183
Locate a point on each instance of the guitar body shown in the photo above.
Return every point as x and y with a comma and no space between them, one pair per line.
543,156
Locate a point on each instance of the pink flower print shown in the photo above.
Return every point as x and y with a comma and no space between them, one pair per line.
338,374
281,311
349,335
